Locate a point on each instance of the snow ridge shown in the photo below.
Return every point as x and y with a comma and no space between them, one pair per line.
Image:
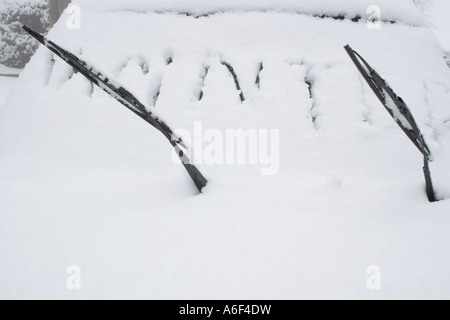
404,11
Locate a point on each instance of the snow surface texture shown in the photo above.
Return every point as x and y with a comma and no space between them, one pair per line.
84,182
437,11
6,84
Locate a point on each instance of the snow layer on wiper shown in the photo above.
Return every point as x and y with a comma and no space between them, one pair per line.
403,11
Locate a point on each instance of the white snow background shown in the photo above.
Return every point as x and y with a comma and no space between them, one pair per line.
437,12
84,182
6,82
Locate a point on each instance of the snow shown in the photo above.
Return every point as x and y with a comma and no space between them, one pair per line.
7,70
6,82
398,116
18,3
401,10
437,11
16,48
84,182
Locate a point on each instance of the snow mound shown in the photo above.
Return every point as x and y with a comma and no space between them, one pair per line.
85,182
